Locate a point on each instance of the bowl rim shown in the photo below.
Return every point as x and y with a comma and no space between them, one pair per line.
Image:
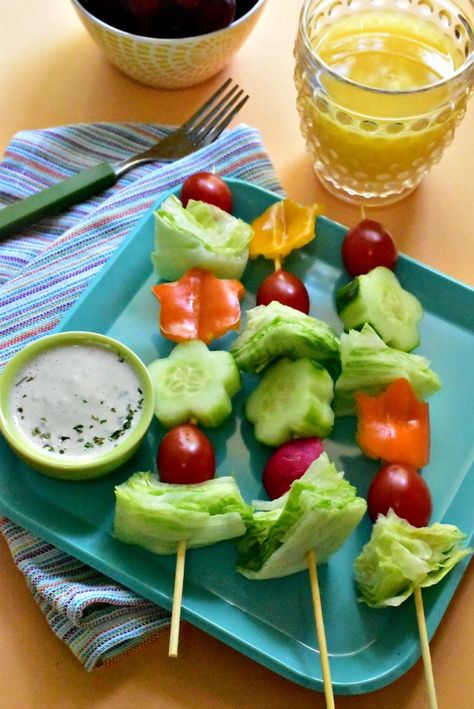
20,444
81,10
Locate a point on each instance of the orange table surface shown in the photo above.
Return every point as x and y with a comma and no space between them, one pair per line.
51,73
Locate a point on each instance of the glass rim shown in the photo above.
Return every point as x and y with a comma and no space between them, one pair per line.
463,69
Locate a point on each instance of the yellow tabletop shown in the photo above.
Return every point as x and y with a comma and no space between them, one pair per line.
51,74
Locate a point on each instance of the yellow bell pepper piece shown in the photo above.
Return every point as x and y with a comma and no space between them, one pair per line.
283,227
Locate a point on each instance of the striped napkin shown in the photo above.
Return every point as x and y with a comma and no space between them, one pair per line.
42,272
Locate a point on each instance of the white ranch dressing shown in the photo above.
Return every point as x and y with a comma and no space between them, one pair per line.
76,401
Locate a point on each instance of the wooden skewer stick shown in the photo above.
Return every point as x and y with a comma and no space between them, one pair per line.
177,598
318,617
425,649
277,263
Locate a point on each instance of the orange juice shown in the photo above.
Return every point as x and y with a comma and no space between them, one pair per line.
383,95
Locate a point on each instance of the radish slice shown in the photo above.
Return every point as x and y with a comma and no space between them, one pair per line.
288,463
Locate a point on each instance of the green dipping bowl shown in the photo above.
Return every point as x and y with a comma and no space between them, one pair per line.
79,467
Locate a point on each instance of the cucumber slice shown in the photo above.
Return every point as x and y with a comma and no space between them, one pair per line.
292,400
194,383
377,298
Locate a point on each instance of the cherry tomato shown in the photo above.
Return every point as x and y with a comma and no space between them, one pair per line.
286,288
288,463
207,187
402,488
366,246
185,455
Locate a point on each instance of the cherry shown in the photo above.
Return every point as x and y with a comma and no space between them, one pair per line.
168,18
214,15
145,8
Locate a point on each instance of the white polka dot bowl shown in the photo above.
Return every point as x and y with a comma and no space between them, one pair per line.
170,63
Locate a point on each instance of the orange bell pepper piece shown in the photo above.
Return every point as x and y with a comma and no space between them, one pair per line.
394,426
199,306
283,227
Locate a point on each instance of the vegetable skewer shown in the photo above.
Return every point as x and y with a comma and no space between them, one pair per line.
388,252
425,649
177,599
168,518
321,634
178,455
293,532
390,568
195,309
287,289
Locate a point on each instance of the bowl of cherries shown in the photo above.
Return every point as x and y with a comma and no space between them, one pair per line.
169,44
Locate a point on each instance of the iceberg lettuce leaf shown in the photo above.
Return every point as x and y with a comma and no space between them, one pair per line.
200,235
276,330
369,365
157,516
319,512
399,557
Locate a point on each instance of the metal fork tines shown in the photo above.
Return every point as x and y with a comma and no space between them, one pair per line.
201,129
216,117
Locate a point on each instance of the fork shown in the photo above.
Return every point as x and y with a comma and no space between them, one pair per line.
201,129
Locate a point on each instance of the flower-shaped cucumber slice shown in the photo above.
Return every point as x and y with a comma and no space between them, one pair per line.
378,298
293,400
194,384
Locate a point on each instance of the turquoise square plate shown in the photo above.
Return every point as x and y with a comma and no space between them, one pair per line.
269,621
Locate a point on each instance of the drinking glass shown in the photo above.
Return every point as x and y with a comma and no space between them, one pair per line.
381,86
